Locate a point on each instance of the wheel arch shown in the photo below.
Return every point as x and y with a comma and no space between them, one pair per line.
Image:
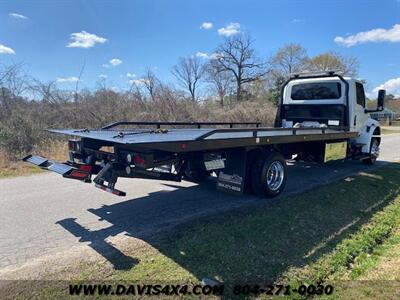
377,134
371,130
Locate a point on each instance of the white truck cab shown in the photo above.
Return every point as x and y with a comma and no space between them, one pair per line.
331,100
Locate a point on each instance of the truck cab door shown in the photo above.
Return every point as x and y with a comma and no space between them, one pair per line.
360,117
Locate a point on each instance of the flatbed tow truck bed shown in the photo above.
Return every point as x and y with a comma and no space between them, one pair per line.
198,139
166,153
320,117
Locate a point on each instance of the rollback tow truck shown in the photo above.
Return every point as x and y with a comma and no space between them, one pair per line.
320,117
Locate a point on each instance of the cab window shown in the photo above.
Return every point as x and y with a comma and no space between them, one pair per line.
316,91
360,94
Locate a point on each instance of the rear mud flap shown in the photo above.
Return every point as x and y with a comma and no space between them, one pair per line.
60,168
232,178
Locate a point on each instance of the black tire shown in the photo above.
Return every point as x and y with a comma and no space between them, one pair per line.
195,173
259,173
372,157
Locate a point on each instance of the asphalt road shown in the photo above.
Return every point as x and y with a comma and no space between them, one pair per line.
45,214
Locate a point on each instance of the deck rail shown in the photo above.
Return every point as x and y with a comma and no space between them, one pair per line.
197,124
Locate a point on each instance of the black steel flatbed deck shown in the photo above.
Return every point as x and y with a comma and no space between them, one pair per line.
197,139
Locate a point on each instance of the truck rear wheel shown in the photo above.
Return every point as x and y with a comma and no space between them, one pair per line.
373,152
268,174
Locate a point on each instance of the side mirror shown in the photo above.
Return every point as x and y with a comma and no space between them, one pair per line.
380,100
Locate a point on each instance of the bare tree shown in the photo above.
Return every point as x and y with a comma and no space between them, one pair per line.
14,79
13,84
151,83
189,72
220,79
48,92
289,59
332,61
237,56
76,94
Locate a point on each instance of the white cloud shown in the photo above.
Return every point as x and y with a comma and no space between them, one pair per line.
130,75
140,81
205,55
202,54
392,86
297,21
85,39
6,50
67,79
206,25
103,76
230,29
374,35
17,16
113,63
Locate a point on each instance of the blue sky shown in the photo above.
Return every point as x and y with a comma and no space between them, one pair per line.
142,34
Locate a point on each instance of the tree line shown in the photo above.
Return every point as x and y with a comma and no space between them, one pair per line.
233,77
234,72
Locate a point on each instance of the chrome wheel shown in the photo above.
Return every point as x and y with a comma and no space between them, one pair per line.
275,175
375,149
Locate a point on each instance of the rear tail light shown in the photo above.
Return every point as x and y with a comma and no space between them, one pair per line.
138,160
78,174
74,145
86,168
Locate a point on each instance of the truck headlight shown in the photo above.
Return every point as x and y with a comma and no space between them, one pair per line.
129,158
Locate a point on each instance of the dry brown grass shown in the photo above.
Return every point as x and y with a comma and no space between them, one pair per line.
57,150
54,150
10,168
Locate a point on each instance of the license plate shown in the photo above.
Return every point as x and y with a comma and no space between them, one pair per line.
214,164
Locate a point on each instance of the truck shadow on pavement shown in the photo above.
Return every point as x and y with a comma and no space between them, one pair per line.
290,232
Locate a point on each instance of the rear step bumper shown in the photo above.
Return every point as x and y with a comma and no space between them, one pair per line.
110,190
65,170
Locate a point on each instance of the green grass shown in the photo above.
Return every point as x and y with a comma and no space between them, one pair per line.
359,254
374,275
312,237
336,232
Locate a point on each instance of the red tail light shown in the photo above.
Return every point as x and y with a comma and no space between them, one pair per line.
138,160
78,174
74,145
86,168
